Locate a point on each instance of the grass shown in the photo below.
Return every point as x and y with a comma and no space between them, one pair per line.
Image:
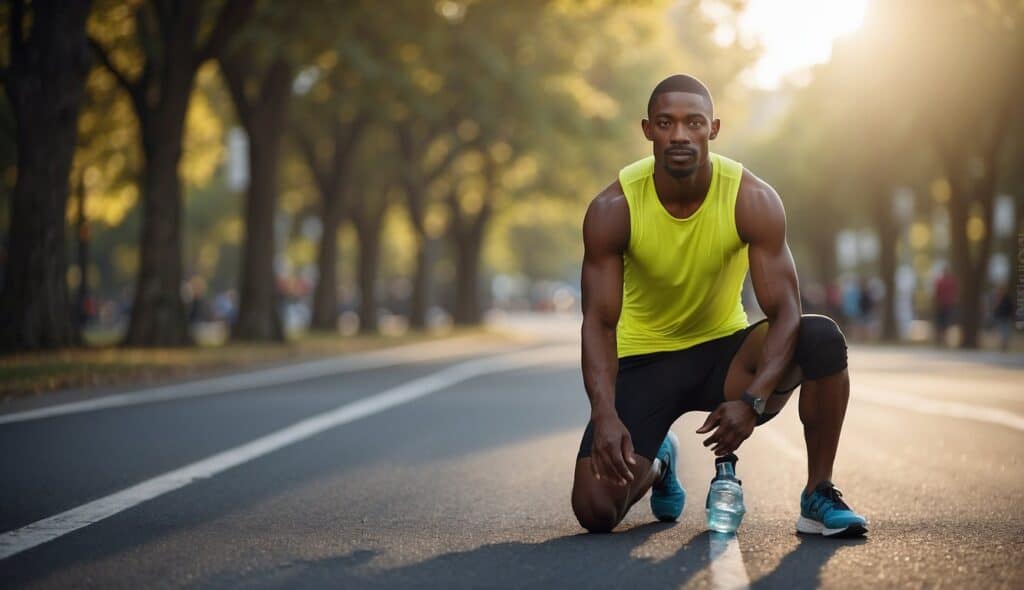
28,374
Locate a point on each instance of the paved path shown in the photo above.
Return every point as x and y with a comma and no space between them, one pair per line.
450,466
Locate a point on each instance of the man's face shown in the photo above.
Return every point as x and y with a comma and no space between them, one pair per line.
681,124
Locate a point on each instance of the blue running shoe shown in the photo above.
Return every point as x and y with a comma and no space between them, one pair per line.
667,495
823,512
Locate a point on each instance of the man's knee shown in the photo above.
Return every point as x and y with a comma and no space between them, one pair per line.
821,347
595,515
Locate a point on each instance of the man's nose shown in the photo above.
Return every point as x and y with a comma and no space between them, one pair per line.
679,134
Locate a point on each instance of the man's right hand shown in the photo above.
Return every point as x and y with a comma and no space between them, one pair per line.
611,450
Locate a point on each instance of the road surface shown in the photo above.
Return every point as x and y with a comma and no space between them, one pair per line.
449,465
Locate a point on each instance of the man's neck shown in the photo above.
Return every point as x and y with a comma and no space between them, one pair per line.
688,190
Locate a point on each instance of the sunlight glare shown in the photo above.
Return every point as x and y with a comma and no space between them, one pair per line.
796,34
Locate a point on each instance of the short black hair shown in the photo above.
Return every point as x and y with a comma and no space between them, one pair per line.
680,83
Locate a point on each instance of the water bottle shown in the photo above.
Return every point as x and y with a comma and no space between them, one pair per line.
725,498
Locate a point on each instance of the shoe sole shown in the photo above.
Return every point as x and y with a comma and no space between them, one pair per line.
808,526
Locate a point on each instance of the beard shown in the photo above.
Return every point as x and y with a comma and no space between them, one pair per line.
680,173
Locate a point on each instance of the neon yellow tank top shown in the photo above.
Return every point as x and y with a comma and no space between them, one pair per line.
682,278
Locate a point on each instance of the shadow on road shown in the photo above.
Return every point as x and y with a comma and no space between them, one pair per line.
801,567
585,561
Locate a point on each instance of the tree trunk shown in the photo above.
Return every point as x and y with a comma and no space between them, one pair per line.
368,231
328,177
468,233
259,317
160,96
972,268
416,182
158,315
421,284
44,84
325,296
467,280
82,232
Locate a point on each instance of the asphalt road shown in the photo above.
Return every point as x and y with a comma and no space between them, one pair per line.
459,476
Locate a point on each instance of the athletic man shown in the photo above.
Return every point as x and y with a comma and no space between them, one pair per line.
667,247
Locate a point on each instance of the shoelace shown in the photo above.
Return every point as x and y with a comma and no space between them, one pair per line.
830,499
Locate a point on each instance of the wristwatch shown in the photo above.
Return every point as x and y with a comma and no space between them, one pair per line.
754,402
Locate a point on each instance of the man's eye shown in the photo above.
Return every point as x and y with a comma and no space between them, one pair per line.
664,124
697,123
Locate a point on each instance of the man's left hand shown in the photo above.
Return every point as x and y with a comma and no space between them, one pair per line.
733,422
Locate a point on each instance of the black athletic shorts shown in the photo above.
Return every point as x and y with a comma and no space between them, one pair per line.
653,390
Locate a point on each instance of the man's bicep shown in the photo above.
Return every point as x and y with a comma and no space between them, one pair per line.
603,241
772,269
773,276
602,287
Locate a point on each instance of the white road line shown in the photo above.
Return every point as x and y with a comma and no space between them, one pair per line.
727,569
48,529
261,378
923,405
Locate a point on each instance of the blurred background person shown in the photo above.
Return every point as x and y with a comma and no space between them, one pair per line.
1002,316
944,299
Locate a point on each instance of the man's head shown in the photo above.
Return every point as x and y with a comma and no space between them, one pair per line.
680,122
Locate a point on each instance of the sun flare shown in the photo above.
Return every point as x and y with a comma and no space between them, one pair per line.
796,34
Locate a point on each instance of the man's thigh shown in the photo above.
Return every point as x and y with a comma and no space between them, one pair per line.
651,392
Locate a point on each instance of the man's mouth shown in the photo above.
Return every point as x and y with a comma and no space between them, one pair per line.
681,155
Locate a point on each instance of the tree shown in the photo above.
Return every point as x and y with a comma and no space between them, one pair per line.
327,134
164,38
418,175
969,128
370,201
43,82
261,100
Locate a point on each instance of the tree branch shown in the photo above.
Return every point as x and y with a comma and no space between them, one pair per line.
231,18
133,88
345,139
308,150
443,165
147,35
235,72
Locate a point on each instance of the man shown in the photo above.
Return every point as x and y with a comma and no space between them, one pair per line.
667,247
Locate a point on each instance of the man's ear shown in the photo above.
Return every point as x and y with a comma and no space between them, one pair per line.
715,126
646,125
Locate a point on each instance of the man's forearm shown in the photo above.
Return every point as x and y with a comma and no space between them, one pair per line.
600,366
779,344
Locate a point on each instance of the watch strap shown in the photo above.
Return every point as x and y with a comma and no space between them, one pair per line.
756,403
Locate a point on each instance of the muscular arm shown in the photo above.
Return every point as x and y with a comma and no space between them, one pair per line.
605,237
761,222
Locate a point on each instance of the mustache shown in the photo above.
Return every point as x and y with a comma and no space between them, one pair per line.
672,151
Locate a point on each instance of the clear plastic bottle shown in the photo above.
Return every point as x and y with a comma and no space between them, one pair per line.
725,499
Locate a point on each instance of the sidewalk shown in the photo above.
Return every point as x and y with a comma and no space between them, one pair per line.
74,374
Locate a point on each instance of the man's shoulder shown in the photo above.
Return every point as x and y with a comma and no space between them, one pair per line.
752,187
638,171
759,209
607,216
611,199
